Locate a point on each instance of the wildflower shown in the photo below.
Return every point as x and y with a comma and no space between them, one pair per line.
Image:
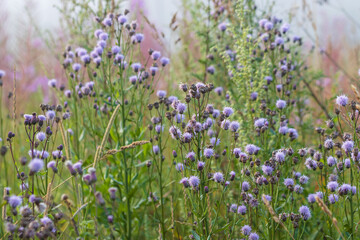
234,126
331,161
228,111
46,221
50,115
305,212
245,186
179,167
185,182
344,189
164,61
241,210
175,132
41,136
283,130
347,163
289,182
225,124
237,152
161,93
191,156
218,177
328,144
107,22
208,152
214,141
298,189
342,100
99,198
311,198
333,198
156,149
115,50
280,157
233,208
268,198
293,134
252,149
232,175
279,40
181,107
200,165
267,170
219,90
112,191
187,137
285,27
253,96
52,83
348,146
353,190
222,26
210,69
14,201
136,67
122,19
36,165
138,37
246,230
268,26
155,55
253,236
303,179
280,104
261,122
52,165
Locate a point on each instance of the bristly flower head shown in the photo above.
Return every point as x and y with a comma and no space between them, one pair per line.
185,182
253,236
14,201
305,212
228,111
161,94
36,165
280,104
348,145
261,122
194,181
2,74
241,210
342,100
41,136
218,177
246,230
208,152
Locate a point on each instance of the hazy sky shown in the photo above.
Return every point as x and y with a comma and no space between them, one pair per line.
161,11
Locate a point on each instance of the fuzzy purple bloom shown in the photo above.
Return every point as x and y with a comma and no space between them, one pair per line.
228,111
280,104
342,100
14,201
194,181
208,152
246,230
241,210
218,177
305,212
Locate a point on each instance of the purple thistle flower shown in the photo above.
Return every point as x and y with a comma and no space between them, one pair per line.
328,144
241,210
225,124
46,221
164,61
333,198
212,141
280,157
179,167
219,90
347,163
311,198
36,165
175,132
331,161
181,107
353,190
41,136
279,40
208,152
293,134
232,175
262,22
268,26
298,189
200,165
246,230
133,79
136,67
233,208
156,149
191,156
342,100
280,104
52,83
285,27
107,22
155,55
253,96
261,122
283,130
267,170
344,189
161,94
253,236
268,198
194,181
237,152
288,182
348,146
245,186
252,149
137,38
50,115
115,50
228,111
14,201
210,70
103,36
234,126
52,165
122,19
303,179
218,177
187,137
222,26
305,212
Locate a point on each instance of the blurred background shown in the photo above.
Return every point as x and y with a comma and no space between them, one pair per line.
29,29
